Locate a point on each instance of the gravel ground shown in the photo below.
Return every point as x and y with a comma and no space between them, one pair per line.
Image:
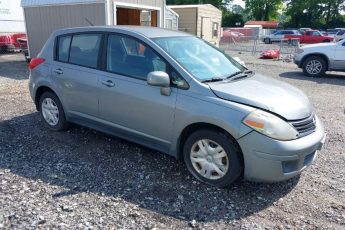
83,179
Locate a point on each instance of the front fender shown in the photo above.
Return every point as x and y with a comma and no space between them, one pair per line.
214,111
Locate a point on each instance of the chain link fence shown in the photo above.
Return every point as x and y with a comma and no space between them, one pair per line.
255,45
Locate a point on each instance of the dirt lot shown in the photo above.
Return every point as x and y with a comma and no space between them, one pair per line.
82,179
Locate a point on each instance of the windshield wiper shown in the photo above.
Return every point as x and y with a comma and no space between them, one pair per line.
239,74
214,79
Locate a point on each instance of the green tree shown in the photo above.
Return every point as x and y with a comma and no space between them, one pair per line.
263,9
230,19
315,13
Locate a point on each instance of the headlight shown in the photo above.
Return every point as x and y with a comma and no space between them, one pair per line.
270,125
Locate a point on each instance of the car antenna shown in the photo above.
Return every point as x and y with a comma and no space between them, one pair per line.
88,21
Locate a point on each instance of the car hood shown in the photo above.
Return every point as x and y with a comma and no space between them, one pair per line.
319,45
266,93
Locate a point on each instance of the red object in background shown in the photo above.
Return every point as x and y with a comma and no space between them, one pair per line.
10,42
270,54
264,24
234,34
23,43
237,34
311,37
4,40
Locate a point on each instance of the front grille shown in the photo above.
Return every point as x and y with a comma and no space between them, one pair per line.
305,126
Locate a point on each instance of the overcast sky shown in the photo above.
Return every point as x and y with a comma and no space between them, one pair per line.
239,2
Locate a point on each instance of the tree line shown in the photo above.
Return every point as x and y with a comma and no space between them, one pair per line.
320,14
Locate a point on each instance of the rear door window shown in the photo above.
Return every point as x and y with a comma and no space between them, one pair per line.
63,48
85,49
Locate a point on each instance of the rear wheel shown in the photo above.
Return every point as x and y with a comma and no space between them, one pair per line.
52,112
267,41
314,66
213,157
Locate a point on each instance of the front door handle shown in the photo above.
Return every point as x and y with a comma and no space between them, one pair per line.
58,71
108,83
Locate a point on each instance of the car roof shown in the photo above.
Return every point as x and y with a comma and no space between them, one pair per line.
150,32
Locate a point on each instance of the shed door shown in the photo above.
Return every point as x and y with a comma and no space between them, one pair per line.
206,28
154,21
128,16
136,17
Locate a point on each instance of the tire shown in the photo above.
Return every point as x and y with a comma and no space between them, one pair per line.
325,41
229,160
53,109
267,41
314,66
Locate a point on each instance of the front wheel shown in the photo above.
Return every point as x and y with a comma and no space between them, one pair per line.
267,41
213,157
314,66
52,112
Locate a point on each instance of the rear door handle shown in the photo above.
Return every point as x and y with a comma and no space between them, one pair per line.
58,71
108,83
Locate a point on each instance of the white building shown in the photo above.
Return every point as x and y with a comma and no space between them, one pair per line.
11,17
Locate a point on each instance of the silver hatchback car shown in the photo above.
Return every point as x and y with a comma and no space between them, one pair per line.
175,93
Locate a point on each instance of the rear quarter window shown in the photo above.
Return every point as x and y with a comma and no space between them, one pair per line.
63,48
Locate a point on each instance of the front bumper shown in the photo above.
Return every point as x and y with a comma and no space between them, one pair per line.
269,160
297,60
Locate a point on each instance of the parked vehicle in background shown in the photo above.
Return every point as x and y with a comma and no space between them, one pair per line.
9,43
23,45
302,30
311,37
176,93
340,35
278,36
316,59
333,32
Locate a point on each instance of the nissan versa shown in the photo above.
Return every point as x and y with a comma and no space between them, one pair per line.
177,94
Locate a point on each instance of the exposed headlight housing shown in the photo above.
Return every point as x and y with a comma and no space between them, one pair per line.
299,51
270,125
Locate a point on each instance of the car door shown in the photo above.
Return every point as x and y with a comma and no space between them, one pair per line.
75,73
339,56
317,37
308,37
135,109
278,36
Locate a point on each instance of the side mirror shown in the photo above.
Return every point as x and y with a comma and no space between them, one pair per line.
162,79
158,78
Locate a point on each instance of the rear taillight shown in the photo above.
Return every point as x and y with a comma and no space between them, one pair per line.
35,62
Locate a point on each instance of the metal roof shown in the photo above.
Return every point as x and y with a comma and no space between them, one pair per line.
266,24
29,3
192,6
171,11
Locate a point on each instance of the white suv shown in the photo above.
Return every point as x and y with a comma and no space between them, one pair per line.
316,59
340,35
